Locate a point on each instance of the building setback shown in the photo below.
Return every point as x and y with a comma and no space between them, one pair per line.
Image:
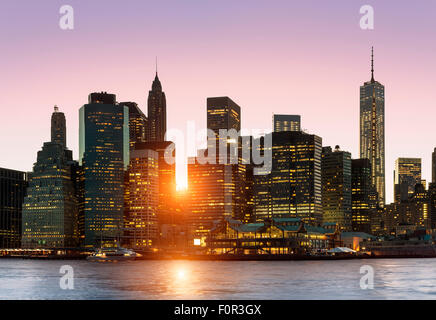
50,209
13,187
336,187
104,156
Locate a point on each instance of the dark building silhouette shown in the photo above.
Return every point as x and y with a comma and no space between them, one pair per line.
372,131
58,127
157,112
363,196
138,124
50,209
432,203
104,157
433,166
13,188
224,114
336,187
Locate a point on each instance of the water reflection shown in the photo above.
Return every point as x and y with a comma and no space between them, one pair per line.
394,279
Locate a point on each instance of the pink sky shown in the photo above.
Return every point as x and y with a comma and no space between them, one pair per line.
270,57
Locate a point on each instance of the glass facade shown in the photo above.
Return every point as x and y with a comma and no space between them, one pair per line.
104,156
293,188
372,132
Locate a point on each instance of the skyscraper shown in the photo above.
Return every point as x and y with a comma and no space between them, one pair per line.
287,122
142,198
372,130
224,114
293,188
13,185
138,124
157,112
50,209
363,199
104,156
216,188
433,166
336,187
407,175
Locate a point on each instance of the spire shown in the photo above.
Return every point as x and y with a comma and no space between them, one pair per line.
372,64
156,83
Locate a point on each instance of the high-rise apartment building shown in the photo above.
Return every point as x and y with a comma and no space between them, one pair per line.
372,131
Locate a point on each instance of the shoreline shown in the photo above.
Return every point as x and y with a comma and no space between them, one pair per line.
266,257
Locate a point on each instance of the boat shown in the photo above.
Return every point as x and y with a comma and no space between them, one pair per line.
113,254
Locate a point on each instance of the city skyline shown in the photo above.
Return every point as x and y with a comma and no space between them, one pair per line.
188,87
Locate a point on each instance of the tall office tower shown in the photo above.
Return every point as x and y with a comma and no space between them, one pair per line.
104,156
58,127
363,195
142,198
13,185
50,209
287,122
157,112
372,130
407,175
336,187
138,124
433,166
293,188
223,114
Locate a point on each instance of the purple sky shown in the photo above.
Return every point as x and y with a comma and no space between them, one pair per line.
296,57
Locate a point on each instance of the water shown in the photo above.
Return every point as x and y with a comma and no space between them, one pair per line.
393,279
